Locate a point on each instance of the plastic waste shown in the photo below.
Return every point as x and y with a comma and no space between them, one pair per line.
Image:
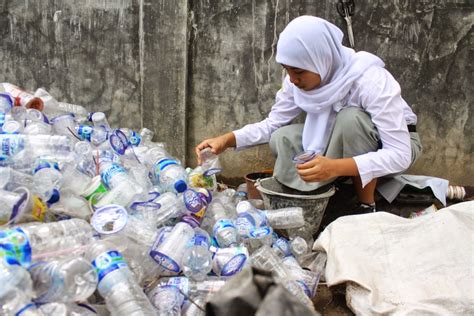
122,294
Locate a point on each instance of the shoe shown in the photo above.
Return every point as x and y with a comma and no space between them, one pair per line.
363,209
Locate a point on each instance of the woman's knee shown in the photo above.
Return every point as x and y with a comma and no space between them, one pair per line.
285,136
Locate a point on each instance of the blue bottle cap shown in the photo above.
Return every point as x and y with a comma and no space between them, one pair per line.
54,197
180,186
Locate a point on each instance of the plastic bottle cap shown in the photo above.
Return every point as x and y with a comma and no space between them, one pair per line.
54,197
180,186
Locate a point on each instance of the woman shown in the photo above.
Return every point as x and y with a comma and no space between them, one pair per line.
355,116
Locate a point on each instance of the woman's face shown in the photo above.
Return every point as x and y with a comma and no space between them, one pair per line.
303,79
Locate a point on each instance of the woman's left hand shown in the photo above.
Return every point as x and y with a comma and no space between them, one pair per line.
318,169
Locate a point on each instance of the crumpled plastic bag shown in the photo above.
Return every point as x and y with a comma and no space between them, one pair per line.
254,292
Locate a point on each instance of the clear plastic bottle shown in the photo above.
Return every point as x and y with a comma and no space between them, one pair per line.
16,276
67,309
189,287
285,218
37,241
222,225
15,302
299,247
122,294
172,176
100,120
54,108
47,179
112,173
22,97
265,258
197,259
11,179
68,280
94,135
167,300
281,246
35,145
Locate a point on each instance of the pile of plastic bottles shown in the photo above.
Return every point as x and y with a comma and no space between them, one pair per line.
99,220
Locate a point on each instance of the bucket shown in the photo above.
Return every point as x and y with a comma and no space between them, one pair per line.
251,178
313,203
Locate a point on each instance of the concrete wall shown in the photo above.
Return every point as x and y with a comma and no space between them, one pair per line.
198,68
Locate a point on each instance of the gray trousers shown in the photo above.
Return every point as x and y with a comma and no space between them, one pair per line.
353,134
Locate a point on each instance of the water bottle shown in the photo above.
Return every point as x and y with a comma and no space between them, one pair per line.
15,302
196,307
15,276
11,179
167,300
6,104
13,205
169,253
73,179
64,125
66,280
112,173
36,123
189,287
47,179
54,108
197,259
307,280
94,135
299,247
67,309
36,145
265,258
260,236
223,228
36,241
22,97
281,246
172,176
248,218
84,158
229,261
122,294
285,218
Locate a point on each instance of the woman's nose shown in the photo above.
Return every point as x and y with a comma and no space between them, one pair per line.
294,79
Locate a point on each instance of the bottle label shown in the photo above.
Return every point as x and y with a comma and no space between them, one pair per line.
85,132
194,203
2,119
165,261
110,172
107,262
38,209
260,232
135,139
200,240
165,162
10,146
221,225
244,226
42,163
234,265
283,246
15,247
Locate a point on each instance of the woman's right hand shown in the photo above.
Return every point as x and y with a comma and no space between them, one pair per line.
217,144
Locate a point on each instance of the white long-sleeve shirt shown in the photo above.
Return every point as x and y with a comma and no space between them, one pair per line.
377,93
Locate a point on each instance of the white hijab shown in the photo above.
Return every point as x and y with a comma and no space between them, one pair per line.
314,44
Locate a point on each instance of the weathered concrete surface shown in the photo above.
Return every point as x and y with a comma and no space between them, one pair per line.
427,45
198,68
